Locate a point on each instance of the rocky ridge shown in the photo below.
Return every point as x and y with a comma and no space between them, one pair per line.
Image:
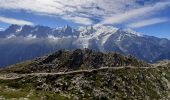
65,61
61,76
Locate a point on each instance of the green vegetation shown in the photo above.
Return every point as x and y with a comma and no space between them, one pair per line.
150,83
144,81
11,90
16,68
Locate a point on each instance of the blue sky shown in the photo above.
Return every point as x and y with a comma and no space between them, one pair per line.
150,17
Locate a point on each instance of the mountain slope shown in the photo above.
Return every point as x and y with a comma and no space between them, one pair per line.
121,78
20,43
147,48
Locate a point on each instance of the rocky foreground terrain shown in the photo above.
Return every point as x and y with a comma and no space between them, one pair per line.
85,75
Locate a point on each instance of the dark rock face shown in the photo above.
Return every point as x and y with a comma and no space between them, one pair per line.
20,43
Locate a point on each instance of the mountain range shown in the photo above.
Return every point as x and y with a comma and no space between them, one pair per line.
20,43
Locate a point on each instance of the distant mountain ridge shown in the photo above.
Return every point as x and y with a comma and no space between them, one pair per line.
19,43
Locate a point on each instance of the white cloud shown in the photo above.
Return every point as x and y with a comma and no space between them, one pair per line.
147,22
14,21
48,7
2,29
30,37
78,8
135,13
112,11
79,20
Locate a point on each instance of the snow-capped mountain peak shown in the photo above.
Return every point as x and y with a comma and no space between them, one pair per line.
42,39
128,30
94,31
83,31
